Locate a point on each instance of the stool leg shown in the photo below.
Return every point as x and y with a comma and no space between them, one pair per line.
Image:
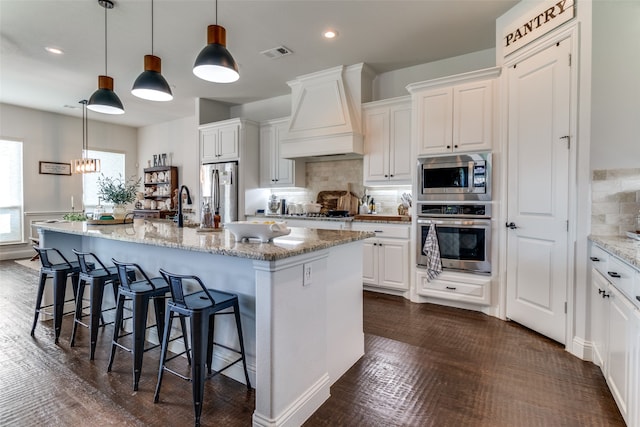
95,312
140,309
59,287
199,344
212,328
116,329
43,280
236,312
77,317
183,325
159,305
168,319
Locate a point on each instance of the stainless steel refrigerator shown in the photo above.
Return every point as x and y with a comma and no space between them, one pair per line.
219,188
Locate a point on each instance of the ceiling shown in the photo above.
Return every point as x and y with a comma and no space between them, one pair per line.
385,34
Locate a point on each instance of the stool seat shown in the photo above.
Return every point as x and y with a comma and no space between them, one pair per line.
56,266
200,307
140,293
97,279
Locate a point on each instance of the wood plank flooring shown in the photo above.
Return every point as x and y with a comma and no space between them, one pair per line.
425,365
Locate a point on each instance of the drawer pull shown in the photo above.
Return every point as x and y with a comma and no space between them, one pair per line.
451,288
378,231
606,295
601,291
595,259
613,274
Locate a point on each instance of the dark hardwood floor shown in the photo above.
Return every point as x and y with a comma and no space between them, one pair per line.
425,365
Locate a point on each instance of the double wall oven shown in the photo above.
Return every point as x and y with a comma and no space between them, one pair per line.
454,194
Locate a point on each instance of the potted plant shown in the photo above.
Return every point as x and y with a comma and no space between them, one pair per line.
118,191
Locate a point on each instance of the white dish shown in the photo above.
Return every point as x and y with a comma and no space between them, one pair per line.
265,231
633,235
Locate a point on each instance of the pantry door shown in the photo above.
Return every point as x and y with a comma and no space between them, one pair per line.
538,190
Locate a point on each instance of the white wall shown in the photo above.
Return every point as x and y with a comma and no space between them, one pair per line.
179,139
58,138
615,120
267,109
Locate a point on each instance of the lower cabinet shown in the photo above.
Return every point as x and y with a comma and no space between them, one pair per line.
469,288
599,318
635,371
385,258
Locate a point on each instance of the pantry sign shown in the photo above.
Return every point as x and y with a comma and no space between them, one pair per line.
547,16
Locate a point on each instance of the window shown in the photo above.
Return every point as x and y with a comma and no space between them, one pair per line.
11,226
111,164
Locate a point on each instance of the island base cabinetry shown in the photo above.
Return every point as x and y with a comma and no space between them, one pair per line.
453,286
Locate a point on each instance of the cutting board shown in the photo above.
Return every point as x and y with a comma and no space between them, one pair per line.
348,201
328,200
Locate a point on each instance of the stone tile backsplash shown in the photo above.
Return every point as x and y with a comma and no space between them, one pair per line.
335,175
615,201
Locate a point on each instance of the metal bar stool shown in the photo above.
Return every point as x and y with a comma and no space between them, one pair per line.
139,292
59,270
97,279
200,307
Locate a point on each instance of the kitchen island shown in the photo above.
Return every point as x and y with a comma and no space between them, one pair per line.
302,331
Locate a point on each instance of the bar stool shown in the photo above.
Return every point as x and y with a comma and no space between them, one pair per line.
200,307
97,279
59,271
139,292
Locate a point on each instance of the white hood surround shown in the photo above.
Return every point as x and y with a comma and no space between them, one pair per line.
326,110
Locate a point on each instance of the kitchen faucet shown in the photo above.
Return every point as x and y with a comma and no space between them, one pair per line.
180,217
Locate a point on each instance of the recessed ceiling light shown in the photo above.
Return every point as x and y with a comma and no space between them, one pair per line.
330,34
54,50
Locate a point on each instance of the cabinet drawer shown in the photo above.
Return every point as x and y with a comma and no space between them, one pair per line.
477,293
394,231
621,275
599,259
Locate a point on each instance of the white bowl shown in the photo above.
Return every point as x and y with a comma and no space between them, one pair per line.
265,231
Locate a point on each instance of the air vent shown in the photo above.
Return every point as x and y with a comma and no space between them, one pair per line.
277,52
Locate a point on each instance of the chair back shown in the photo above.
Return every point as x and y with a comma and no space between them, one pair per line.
44,256
84,259
124,270
180,291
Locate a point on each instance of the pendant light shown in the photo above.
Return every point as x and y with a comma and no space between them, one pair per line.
151,85
85,165
105,100
215,63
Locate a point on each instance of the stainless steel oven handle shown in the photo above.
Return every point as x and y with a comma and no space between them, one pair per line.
458,221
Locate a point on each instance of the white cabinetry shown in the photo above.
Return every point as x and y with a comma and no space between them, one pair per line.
274,170
220,141
385,262
453,286
454,114
305,223
615,329
387,141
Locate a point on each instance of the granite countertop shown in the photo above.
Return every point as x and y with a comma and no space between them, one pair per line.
166,233
625,248
385,219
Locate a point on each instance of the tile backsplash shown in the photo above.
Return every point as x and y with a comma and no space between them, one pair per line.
615,201
335,175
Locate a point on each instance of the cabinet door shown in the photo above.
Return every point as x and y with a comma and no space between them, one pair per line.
376,145
370,262
267,138
434,121
618,373
228,142
400,160
284,168
393,259
635,370
599,318
208,145
472,116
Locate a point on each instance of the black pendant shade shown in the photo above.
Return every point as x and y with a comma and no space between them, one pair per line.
104,100
215,63
151,85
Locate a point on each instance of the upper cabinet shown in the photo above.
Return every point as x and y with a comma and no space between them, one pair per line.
274,170
220,141
454,114
387,141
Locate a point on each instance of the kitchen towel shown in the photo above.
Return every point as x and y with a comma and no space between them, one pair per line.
432,250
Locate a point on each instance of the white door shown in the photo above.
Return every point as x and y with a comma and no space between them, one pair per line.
538,189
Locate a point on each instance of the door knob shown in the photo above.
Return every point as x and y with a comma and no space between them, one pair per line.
511,225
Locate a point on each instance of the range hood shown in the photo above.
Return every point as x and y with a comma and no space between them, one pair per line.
326,110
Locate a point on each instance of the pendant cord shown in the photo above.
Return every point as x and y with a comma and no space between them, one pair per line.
105,42
151,27
216,12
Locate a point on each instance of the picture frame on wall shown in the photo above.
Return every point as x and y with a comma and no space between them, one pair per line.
54,168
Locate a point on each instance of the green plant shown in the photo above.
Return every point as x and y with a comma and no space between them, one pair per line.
117,190
75,216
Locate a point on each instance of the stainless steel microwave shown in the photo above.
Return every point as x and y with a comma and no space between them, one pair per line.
459,177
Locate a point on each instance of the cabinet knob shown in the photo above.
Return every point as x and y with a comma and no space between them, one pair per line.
455,146
391,175
595,259
448,146
386,176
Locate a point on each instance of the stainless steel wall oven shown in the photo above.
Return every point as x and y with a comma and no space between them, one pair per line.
464,235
